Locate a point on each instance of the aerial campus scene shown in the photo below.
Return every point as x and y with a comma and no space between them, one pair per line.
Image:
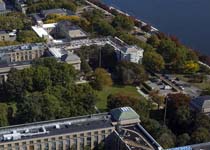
102,75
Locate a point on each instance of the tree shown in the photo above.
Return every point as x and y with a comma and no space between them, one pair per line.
108,57
85,67
177,100
101,79
3,114
200,135
123,22
157,98
166,138
153,61
152,126
130,73
183,139
191,67
42,78
178,112
102,27
141,106
97,56
154,41
203,121
28,36
37,107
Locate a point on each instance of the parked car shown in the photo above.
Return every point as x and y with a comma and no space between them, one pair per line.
167,87
181,87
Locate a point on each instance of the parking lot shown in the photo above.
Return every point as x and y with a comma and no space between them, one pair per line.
185,87
158,85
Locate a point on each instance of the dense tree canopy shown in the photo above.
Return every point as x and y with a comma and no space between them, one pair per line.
14,20
130,73
123,22
48,4
28,36
46,91
153,61
141,106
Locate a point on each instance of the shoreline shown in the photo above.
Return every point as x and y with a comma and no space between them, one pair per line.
108,9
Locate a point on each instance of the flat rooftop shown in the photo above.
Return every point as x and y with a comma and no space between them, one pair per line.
13,48
55,127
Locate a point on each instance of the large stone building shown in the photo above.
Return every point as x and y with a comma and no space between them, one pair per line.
21,53
118,130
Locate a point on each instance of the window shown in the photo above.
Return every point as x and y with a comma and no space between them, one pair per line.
39,146
103,137
9,147
60,145
17,146
53,145
96,133
24,147
82,143
67,144
89,139
1,147
95,140
74,143
103,131
46,146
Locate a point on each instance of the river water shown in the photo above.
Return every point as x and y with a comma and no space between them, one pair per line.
189,20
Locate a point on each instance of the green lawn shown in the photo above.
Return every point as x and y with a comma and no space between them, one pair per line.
102,95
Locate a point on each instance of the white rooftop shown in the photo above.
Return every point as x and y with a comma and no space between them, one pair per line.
56,52
41,32
49,25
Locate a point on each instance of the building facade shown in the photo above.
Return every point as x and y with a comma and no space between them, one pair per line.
131,53
20,53
80,133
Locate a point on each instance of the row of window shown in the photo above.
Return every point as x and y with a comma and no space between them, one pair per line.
68,142
27,56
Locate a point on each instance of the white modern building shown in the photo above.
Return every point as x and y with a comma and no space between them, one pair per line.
131,53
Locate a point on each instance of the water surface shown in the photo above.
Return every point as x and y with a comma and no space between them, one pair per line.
189,20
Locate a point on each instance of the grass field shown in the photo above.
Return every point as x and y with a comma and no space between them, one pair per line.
102,95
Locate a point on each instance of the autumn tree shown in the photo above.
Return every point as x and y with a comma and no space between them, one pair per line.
153,61
101,79
191,67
